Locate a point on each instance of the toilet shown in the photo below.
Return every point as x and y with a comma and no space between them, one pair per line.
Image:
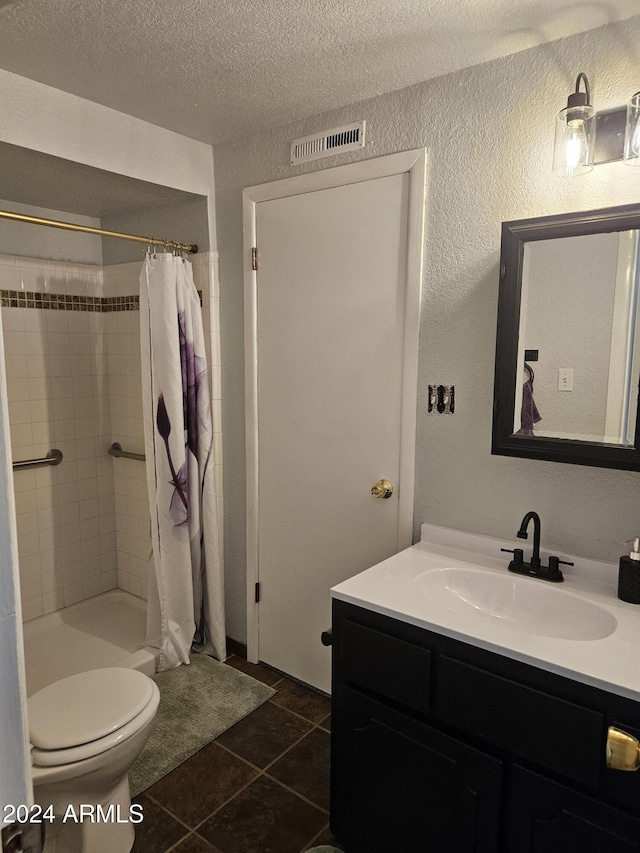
86,731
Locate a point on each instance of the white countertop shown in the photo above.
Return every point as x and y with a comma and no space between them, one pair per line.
393,589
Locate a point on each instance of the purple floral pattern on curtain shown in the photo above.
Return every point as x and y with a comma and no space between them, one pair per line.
179,506
194,379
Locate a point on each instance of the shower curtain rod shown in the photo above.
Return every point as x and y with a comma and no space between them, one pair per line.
87,229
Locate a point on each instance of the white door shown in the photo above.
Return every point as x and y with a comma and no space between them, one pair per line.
331,324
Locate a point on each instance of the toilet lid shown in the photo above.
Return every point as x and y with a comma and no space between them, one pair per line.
86,707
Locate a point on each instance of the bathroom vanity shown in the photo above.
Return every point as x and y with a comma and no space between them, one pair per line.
471,708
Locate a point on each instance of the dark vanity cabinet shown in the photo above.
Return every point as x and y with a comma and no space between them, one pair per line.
442,747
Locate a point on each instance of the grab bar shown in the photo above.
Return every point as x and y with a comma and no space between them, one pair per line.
117,451
53,457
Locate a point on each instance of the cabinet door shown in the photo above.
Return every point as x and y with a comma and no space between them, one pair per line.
546,817
398,785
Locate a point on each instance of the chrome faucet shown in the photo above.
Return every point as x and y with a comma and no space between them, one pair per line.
534,567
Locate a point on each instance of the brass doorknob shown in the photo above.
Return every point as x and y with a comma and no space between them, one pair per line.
382,489
623,750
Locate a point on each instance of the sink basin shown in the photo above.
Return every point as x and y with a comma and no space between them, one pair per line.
520,604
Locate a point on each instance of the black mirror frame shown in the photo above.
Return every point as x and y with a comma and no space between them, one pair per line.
514,236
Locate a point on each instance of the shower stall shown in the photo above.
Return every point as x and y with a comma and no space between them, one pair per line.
71,335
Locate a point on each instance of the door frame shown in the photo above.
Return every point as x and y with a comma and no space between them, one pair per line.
414,163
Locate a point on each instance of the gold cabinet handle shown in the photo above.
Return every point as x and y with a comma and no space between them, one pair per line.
623,750
382,489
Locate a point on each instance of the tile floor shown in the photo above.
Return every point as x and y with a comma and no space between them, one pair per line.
261,787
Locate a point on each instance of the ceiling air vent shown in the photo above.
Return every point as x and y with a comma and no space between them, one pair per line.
328,142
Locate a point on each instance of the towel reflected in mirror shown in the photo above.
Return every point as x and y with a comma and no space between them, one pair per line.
529,414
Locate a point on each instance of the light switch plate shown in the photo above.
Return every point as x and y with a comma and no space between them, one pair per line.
565,379
442,399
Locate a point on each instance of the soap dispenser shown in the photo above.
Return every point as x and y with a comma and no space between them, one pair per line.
629,573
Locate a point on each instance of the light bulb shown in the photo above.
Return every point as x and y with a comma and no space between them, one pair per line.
575,145
575,136
632,132
635,140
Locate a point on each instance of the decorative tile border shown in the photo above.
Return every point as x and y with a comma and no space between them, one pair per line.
119,303
66,302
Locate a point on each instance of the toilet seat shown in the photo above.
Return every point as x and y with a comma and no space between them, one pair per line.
86,714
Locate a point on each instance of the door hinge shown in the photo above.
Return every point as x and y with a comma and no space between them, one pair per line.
257,599
254,258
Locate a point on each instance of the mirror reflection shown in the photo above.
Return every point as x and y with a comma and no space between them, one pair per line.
578,357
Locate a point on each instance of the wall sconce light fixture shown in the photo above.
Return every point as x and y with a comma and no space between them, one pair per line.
574,147
632,132
585,138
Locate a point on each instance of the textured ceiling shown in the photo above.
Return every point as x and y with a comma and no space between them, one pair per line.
218,69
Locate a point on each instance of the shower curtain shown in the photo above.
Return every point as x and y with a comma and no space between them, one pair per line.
186,587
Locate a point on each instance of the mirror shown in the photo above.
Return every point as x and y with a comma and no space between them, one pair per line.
568,340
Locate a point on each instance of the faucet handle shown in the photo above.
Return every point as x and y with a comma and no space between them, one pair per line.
518,554
556,562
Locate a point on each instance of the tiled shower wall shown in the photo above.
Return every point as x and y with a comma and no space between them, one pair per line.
74,382
122,339
58,397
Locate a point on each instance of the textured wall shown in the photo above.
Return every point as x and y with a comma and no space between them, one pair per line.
488,132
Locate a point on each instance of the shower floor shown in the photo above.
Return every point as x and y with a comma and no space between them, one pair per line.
108,630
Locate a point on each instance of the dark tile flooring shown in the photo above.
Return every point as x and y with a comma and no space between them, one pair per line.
261,787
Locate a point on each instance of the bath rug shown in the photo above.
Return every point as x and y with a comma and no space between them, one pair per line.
197,703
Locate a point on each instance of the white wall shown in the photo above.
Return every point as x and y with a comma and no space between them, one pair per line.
79,130
488,132
94,135
185,222
52,244
571,285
